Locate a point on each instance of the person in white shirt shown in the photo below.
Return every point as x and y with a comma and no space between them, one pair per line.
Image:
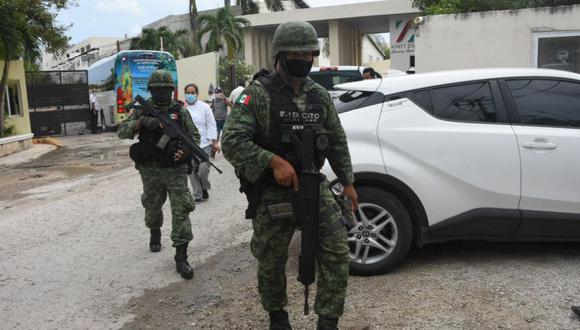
204,120
235,94
94,107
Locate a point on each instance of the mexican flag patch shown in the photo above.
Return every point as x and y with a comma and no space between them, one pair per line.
244,99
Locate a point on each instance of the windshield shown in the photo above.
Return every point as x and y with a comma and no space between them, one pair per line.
329,78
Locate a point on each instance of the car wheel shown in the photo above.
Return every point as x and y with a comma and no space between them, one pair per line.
383,234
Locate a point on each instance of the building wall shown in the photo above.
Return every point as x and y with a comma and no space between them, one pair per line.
16,74
370,53
488,39
71,60
341,34
258,49
201,70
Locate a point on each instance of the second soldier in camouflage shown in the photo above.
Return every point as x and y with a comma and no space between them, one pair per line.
163,170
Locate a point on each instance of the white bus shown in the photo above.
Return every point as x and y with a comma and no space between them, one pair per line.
115,80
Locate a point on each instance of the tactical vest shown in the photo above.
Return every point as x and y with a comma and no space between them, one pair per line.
287,122
147,153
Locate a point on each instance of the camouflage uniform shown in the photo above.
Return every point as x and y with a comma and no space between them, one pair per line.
158,181
251,118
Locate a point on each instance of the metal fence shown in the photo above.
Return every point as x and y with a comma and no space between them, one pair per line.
58,102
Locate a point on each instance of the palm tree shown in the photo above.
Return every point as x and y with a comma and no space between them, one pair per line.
193,21
274,5
248,7
177,43
223,27
25,27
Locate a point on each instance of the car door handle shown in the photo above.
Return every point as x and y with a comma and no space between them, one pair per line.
395,104
540,145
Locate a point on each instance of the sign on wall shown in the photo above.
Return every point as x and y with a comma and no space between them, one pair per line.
402,31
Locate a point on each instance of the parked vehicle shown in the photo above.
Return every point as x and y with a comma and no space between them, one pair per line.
329,76
117,79
487,154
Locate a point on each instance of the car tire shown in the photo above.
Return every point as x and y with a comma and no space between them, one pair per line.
397,229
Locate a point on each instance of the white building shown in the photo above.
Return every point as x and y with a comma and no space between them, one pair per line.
371,52
536,37
81,55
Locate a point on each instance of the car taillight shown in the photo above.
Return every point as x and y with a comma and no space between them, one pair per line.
329,68
120,104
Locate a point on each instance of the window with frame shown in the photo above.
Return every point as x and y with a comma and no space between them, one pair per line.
12,100
471,102
547,102
558,50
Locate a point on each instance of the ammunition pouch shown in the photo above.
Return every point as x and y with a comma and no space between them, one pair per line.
147,154
144,153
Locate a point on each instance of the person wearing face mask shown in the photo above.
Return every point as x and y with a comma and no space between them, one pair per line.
203,119
259,141
163,166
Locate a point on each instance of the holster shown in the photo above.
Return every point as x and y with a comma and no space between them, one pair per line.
253,192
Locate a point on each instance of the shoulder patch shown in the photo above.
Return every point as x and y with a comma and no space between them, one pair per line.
244,99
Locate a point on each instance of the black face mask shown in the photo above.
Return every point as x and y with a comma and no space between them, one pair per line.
297,68
161,95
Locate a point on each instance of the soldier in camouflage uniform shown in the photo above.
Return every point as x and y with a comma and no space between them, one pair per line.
251,143
163,170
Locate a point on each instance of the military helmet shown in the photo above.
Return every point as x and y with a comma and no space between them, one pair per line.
160,78
295,37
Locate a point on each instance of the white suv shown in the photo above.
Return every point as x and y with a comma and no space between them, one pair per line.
487,154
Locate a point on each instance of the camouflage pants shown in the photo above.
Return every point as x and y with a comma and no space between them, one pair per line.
157,184
270,247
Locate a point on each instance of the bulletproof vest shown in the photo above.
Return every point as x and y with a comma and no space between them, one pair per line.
148,150
287,123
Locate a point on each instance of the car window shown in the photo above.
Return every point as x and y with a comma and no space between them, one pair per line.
422,99
547,102
350,101
329,78
471,102
356,99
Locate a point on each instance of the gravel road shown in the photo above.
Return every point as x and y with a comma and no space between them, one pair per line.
74,255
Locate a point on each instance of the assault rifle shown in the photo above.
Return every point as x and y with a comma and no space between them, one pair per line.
172,130
306,209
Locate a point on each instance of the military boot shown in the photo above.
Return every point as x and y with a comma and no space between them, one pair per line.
279,320
326,323
181,264
155,240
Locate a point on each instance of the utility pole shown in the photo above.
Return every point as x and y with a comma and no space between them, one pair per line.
161,42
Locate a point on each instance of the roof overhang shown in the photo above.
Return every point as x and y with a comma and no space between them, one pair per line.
368,17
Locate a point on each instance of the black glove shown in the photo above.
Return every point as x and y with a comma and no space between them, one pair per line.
150,123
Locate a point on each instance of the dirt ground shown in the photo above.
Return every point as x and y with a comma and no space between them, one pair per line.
74,256
78,156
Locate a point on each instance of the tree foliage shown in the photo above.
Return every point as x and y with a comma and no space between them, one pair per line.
224,29
26,27
178,43
243,72
434,7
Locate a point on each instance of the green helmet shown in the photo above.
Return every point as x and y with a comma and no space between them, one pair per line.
295,37
160,78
